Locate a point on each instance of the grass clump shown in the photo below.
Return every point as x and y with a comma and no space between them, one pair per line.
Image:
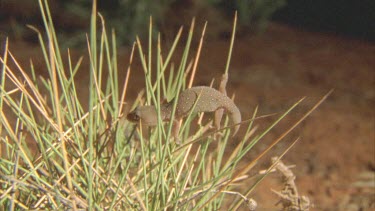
89,158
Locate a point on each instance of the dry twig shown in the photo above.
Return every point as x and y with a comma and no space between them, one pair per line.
289,197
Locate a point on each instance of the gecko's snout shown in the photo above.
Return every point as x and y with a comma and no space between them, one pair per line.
143,114
133,117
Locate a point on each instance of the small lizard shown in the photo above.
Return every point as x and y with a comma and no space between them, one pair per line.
200,98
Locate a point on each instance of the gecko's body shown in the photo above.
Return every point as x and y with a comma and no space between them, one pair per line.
200,99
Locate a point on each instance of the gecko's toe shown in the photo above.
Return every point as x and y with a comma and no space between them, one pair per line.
178,141
218,135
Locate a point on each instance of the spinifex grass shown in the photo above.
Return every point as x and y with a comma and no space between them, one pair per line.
86,158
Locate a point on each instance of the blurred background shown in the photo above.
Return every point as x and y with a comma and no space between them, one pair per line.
348,18
284,50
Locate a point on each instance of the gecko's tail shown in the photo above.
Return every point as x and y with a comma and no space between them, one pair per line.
235,116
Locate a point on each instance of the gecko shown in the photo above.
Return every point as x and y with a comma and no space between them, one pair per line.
200,99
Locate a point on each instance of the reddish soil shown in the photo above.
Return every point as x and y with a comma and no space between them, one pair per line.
275,69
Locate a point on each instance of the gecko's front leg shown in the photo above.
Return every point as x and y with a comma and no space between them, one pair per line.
176,130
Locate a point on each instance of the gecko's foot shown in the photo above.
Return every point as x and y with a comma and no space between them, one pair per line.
216,134
178,141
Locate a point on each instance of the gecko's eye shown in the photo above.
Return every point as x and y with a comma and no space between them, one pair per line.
133,117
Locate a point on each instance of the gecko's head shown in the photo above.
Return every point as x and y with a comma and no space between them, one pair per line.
143,114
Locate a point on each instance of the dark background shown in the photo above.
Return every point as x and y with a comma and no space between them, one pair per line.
345,17
349,18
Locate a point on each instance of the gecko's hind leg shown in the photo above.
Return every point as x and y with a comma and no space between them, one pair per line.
219,112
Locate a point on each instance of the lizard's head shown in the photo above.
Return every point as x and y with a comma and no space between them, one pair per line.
143,114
